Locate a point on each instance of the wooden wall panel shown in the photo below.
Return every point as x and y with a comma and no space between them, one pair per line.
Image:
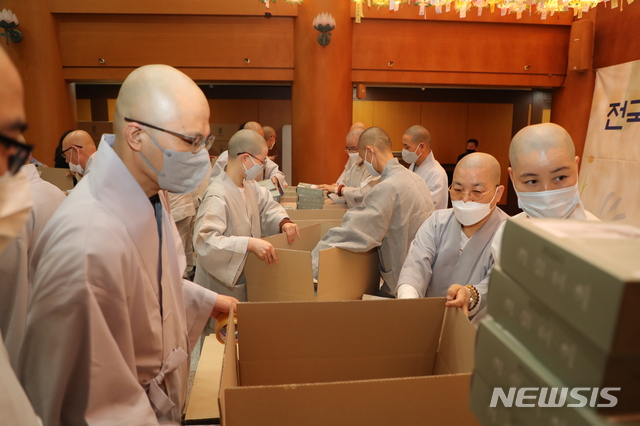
459,47
491,125
363,111
275,113
198,41
233,110
84,109
447,124
173,7
616,39
395,118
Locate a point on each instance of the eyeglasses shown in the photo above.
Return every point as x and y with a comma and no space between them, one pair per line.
263,163
17,159
351,150
474,195
197,142
63,154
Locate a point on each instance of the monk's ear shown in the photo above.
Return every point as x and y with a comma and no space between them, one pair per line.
132,134
510,174
499,193
577,160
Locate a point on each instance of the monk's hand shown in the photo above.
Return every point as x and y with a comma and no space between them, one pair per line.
223,305
275,181
264,250
458,296
330,188
291,229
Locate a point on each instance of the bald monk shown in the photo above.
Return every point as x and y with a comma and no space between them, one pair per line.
269,137
453,246
15,203
235,213
417,152
355,182
78,150
544,172
269,171
111,322
389,215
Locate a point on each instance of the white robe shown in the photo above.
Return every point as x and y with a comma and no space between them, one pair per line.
14,261
578,213
103,327
225,221
357,183
270,170
388,219
436,179
435,261
15,408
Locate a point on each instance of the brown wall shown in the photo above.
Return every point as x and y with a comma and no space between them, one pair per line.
615,43
49,101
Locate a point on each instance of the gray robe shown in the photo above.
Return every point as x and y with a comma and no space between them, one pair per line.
357,183
271,170
434,261
387,219
14,262
224,224
436,179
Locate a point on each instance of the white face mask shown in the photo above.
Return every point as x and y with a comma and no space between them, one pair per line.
181,172
254,171
471,212
15,205
410,157
373,172
555,204
354,157
76,168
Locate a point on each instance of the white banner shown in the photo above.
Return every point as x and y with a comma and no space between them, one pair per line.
610,174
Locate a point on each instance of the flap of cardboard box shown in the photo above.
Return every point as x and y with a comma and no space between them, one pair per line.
345,275
316,214
433,400
57,177
298,342
457,342
229,375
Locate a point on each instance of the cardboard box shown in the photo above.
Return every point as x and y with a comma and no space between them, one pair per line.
382,362
342,275
567,353
57,177
586,272
317,214
502,361
288,199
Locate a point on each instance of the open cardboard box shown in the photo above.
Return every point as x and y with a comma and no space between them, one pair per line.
342,275
375,362
319,215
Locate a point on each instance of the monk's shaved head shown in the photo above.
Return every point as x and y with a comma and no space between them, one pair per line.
246,140
78,137
255,126
12,113
419,134
160,95
375,137
480,162
358,125
540,138
353,136
268,132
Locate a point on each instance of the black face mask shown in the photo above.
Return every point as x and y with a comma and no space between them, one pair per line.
469,151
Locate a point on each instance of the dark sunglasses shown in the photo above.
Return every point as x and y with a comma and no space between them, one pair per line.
18,158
